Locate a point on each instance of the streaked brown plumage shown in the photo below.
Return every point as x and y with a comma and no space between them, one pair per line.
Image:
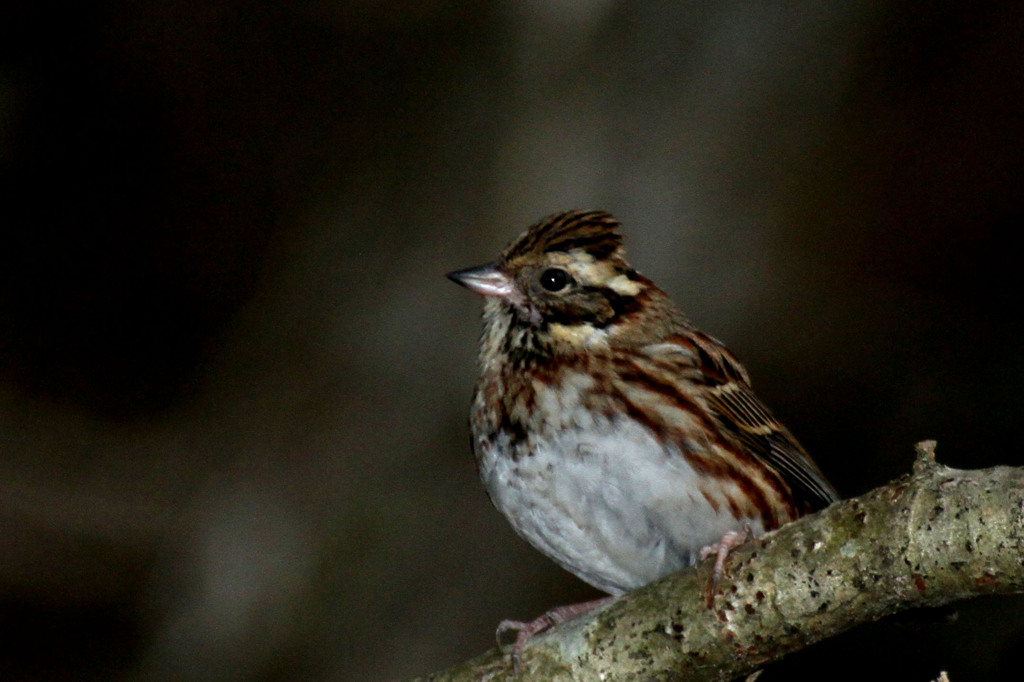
618,439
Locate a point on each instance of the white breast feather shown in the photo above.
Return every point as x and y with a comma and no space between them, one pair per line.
604,499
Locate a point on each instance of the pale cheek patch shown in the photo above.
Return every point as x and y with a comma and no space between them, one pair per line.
624,286
579,335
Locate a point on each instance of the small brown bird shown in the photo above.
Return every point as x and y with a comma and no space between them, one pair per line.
618,439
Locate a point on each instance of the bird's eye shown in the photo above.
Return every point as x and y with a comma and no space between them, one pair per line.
554,279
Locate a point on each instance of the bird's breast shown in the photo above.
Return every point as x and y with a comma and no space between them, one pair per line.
603,496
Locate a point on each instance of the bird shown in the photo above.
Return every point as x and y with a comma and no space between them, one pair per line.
617,438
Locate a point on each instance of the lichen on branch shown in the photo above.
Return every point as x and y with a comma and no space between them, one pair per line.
936,536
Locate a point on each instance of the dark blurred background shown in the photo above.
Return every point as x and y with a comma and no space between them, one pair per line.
234,381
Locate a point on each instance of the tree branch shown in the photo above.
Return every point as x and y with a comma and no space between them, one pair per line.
928,539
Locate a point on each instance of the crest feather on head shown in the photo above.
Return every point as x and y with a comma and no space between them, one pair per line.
595,232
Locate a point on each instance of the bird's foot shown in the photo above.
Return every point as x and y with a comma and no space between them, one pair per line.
526,630
720,550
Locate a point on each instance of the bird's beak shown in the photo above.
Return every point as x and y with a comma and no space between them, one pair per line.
486,280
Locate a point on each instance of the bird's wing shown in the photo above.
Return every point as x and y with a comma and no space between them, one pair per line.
739,412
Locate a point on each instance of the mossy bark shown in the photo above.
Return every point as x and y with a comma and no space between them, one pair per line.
927,539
